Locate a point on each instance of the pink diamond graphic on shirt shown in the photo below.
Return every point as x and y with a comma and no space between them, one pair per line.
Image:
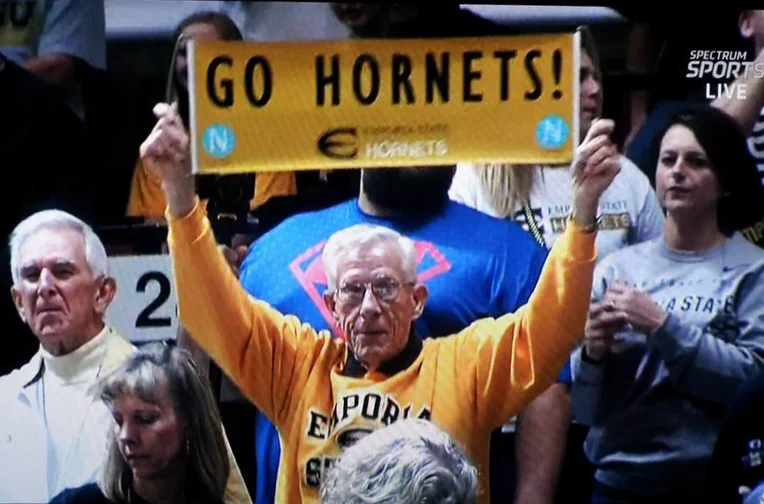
308,270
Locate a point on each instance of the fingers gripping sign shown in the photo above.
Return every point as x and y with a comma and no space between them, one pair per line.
597,156
166,153
166,149
595,164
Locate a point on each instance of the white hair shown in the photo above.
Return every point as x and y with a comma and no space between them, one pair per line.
362,235
95,253
409,462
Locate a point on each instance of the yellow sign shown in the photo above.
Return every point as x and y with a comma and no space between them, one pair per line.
266,106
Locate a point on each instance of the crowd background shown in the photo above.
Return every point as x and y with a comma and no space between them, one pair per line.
74,125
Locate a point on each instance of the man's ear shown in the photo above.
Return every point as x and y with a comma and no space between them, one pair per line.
420,299
16,296
105,295
745,24
331,304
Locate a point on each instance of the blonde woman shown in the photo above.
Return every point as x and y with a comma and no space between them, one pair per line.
629,208
167,444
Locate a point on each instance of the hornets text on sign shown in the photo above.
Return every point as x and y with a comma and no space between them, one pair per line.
379,103
366,77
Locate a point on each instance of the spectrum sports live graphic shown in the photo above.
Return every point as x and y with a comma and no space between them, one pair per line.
725,69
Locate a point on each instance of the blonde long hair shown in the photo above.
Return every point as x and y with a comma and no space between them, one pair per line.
146,374
508,186
504,186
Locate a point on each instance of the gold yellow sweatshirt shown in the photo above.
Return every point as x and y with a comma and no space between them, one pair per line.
468,384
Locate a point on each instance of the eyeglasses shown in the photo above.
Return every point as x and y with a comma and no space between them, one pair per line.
384,289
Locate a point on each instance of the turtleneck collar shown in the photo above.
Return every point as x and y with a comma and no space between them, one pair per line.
403,360
80,365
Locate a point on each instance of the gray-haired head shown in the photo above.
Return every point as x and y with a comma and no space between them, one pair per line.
95,253
409,462
363,235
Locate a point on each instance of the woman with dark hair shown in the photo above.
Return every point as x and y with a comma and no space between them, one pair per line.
168,444
146,197
676,324
741,204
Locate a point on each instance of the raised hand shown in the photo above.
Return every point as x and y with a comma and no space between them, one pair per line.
595,165
166,153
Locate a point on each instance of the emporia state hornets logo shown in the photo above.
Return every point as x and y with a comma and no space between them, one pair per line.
339,143
308,270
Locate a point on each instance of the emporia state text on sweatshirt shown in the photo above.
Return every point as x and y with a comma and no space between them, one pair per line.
468,384
655,404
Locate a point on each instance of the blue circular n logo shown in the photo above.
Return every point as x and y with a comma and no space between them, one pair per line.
552,132
218,140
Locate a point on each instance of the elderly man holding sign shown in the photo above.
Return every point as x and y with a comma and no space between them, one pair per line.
323,393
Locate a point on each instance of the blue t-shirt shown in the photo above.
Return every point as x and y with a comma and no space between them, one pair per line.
473,265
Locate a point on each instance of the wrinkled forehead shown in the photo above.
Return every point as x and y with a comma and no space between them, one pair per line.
379,258
53,245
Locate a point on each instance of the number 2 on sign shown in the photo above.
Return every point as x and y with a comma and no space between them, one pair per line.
144,318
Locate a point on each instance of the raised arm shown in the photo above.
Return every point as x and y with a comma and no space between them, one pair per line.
264,352
525,351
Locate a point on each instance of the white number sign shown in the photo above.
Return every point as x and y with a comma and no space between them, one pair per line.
145,308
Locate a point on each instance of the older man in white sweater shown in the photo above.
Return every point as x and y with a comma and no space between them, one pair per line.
53,427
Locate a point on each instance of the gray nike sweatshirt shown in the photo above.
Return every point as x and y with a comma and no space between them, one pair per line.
655,403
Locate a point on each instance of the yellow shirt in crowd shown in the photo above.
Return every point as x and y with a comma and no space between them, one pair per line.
147,198
468,384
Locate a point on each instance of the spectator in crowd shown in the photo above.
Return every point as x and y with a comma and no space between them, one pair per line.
538,197
488,268
746,112
146,198
59,41
412,201
54,176
417,462
53,427
676,323
468,384
51,422
167,443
